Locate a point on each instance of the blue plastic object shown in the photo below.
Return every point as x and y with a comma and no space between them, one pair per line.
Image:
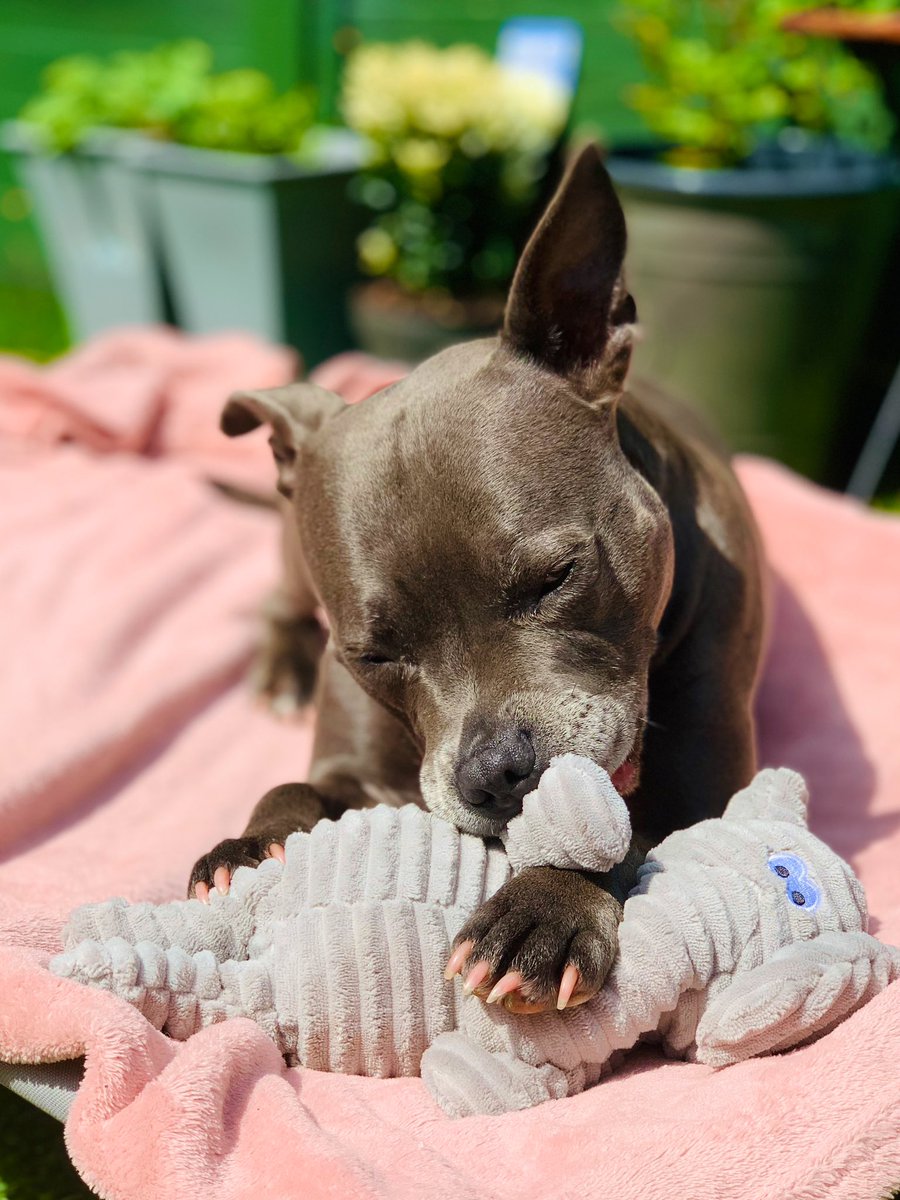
548,46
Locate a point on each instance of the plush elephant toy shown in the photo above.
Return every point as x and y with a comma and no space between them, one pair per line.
743,935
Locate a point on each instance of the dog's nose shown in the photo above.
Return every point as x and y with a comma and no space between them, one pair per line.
497,773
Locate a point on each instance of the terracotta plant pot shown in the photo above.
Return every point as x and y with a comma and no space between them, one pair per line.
393,324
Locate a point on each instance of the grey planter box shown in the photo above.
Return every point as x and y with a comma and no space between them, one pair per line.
96,228
258,243
141,231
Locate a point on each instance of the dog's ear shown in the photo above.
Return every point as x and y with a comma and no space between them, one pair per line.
568,306
293,412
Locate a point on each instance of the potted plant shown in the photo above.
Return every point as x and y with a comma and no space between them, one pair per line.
238,199
96,228
461,147
870,29
759,218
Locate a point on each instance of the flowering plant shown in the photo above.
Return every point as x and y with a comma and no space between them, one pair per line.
461,145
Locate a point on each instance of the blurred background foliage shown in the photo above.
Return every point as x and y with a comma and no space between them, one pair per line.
170,92
293,42
722,77
461,148
710,76
462,153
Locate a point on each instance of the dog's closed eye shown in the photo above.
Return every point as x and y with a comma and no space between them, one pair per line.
395,667
529,596
555,579
351,655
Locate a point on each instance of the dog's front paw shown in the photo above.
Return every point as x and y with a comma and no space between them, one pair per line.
546,939
216,868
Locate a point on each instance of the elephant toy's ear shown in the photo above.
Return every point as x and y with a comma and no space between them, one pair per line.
777,795
574,818
803,991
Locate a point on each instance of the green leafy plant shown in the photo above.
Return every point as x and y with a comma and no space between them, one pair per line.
723,78
460,148
874,7
170,93
241,110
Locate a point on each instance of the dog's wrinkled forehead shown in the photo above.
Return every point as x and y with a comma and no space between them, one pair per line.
474,456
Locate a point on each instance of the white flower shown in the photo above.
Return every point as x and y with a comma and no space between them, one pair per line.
432,96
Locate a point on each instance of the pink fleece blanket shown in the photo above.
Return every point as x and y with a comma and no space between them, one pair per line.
129,746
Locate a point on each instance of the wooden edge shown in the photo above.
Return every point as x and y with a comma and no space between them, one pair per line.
847,26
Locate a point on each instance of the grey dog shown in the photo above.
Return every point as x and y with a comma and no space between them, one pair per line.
519,558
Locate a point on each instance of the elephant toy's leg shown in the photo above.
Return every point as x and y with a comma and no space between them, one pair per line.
177,992
495,1061
225,925
465,1078
803,991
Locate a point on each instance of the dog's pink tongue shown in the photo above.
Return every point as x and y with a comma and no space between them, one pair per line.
623,778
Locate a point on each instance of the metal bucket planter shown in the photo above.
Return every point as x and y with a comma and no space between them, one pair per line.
96,229
258,243
754,287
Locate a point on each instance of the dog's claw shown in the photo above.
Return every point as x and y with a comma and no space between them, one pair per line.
476,977
284,704
457,959
567,986
544,941
511,982
214,870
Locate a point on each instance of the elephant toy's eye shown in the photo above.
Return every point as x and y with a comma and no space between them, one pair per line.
799,885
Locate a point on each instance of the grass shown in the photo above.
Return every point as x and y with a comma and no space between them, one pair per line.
31,323
33,1160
